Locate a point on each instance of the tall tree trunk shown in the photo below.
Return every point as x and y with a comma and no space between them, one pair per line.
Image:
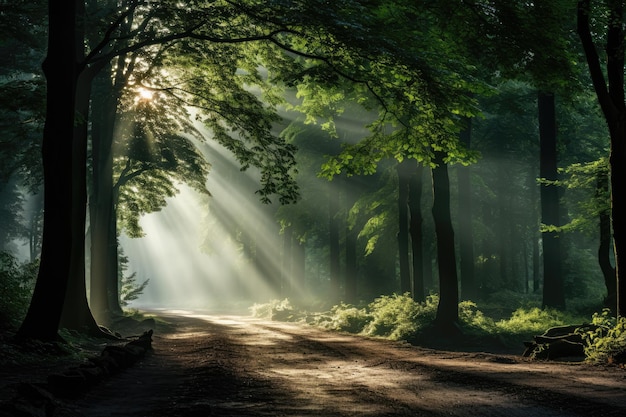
352,232
286,267
334,247
76,313
104,294
61,71
533,232
448,309
466,236
604,248
101,121
104,274
403,170
553,288
611,101
298,268
415,229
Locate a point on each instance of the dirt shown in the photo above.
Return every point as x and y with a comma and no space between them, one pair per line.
227,365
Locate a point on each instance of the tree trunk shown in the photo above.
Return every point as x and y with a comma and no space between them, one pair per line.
286,267
403,170
466,237
352,232
604,248
448,310
553,288
104,274
61,71
415,229
298,269
334,247
76,313
611,101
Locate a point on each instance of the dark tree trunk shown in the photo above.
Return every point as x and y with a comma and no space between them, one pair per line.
403,170
448,310
533,232
466,236
61,71
553,290
415,228
604,249
76,313
611,101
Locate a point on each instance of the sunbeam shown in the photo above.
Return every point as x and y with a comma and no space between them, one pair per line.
220,253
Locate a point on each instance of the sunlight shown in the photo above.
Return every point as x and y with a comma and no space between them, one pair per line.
224,253
144,94
169,255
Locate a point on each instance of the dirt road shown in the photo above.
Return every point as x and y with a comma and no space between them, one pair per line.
239,366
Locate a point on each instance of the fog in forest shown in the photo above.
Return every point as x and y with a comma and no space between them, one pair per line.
190,251
227,250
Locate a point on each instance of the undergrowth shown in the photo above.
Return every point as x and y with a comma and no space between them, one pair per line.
607,343
399,317
17,281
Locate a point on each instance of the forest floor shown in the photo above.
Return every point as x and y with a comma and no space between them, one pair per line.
227,365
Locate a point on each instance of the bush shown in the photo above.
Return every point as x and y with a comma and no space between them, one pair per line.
16,288
473,320
345,318
606,344
274,310
399,317
532,321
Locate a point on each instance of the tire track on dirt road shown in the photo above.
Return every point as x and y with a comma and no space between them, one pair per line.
209,365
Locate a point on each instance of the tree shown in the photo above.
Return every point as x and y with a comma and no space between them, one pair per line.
416,231
553,292
610,93
60,165
403,225
447,310
61,71
466,236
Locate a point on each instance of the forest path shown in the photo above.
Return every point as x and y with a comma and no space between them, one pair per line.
219,365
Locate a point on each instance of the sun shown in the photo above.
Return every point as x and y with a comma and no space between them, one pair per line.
144,94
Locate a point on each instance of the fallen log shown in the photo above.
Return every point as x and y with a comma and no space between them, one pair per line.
559,342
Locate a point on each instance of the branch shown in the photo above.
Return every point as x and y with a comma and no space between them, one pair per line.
593,60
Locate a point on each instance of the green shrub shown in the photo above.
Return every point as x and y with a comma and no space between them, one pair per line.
399,317
473,320
533,321
345,318
606,344
274,309
16,288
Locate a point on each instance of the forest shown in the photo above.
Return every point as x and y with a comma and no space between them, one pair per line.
458,157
